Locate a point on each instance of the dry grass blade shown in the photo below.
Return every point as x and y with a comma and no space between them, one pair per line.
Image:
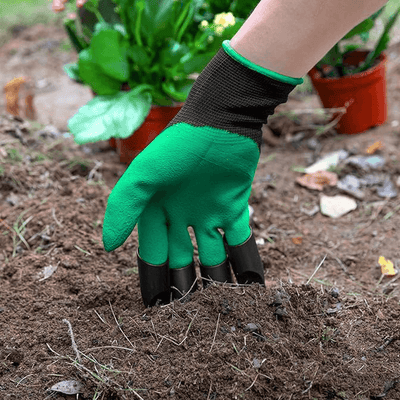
119,327
316,270
215,333
71,334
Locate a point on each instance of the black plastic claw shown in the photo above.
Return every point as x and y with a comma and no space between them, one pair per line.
183,280
246,261
218,273
154,283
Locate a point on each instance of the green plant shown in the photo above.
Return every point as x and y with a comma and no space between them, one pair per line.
333,63
19,229
155,49
14,155
328,334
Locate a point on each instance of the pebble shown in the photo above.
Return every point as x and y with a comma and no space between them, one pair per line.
12,199
251,327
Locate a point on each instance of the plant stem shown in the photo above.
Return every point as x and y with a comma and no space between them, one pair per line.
140,7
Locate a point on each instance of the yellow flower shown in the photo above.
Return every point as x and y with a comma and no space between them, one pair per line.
204,24
225,19
219,30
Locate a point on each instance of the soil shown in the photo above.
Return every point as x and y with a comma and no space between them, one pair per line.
312,333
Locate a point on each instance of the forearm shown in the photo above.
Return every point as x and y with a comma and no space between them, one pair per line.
291,36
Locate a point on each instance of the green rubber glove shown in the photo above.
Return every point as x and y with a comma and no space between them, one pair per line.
198,172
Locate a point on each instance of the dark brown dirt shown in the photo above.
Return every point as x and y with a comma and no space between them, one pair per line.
334,338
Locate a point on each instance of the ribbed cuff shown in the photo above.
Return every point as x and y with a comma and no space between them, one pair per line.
247,63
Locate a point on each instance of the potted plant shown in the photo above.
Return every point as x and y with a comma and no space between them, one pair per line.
348,76
141,67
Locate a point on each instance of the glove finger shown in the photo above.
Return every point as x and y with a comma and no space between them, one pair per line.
164,163
153,235
238,230
180,247
211,246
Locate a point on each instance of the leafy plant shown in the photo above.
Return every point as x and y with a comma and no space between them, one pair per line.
153,47
333,64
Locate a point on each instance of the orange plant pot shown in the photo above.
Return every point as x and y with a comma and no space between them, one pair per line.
365,92
157,120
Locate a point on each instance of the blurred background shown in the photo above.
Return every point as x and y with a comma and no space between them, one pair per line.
34,44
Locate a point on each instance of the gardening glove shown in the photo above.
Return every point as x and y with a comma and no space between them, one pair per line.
198,173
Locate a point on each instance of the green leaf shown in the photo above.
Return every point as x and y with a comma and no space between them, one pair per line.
139,55
173,52
91,73
178,91
363,27
381,45
72,70
108,47
78,43
121,29
158,20
116,116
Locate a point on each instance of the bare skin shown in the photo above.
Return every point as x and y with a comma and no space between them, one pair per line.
291,36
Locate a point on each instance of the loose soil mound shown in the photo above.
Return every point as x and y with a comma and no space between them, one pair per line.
86,321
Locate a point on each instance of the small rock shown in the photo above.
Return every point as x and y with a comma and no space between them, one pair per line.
281,312
47,272
309,211
351,185
387,190
67,387
12,199
373,179
336,206
330,160
335,293
277,299
313,144
251,327
49,131
260,241
366,162
256,363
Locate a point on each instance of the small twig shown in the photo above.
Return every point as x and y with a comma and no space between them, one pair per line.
209,391
93,171
387,342
215,333
252,383
59,355
188,292
71,334
316,270
24,378
101,319
53,212
126,337
109,347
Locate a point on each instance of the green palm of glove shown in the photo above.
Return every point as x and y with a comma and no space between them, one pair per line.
188,176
